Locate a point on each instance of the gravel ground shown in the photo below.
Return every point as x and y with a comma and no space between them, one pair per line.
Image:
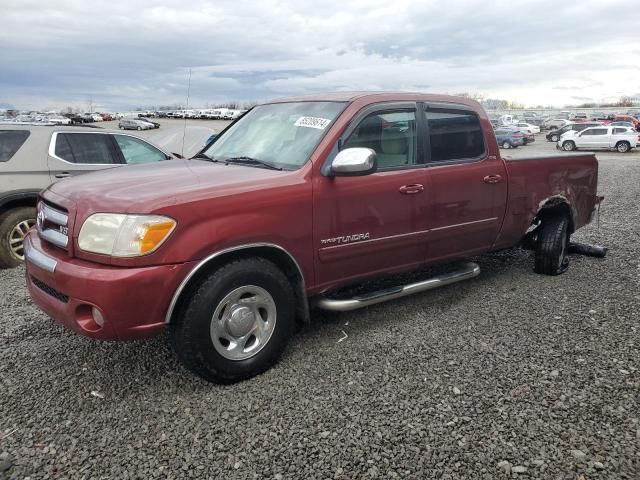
510,374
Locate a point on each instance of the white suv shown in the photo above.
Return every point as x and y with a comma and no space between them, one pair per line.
604,137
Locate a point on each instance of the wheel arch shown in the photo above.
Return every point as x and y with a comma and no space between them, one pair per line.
556,205
17,199
282,258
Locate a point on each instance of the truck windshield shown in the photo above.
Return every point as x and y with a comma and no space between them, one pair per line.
281,134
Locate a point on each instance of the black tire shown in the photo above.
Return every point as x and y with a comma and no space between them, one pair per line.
623,147
506,145
554,138
8,223
139,128
552,246
568,146
191,336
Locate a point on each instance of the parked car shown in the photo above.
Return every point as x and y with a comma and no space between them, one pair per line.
576,117
31,157
134,124
622,124
554,135
75,118
555,123
58,120
106,117
603,137
525,127
297,200
147,120
628,118
509,137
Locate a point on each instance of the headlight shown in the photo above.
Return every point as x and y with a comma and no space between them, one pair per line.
122,235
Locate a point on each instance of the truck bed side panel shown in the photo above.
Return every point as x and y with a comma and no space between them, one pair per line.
533,181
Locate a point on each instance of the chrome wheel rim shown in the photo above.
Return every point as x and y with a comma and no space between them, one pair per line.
16,238
622,148
243,322
506,145
568,147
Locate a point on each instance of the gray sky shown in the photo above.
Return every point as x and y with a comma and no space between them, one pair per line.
133,53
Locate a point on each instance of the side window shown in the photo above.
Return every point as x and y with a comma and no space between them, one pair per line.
599,131
454,135
87,148
619,131
10,142
391,134
135,150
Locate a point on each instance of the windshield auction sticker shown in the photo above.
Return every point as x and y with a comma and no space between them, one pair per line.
312,122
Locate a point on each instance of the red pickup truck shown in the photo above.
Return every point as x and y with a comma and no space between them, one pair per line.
295,200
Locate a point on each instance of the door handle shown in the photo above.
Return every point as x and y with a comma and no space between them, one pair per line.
63,175
411,189
492,179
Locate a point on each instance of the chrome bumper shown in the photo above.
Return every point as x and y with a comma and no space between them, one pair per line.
39,259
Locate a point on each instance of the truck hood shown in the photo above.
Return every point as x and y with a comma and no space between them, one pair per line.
146,188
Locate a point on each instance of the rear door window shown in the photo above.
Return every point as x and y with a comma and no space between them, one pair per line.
135,150
454,135
10,143
87,148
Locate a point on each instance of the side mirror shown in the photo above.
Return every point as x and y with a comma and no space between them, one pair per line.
354,161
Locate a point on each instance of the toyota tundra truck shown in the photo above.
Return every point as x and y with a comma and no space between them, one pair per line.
291,206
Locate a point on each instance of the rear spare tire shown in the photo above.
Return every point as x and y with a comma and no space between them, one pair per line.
236,322
552,246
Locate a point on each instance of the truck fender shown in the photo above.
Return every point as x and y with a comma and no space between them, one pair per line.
277,254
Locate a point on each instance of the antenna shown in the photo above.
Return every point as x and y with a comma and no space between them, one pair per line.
184,129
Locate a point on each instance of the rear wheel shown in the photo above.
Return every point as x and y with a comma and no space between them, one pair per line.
237,321
554,138
13,227
568,146
506,145
139,128
552,246
623,147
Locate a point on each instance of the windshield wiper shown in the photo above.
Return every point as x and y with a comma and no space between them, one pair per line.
204,157
251,161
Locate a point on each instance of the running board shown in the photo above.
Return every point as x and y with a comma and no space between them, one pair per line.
465,272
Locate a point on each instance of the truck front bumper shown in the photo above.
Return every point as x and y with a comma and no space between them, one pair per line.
100,301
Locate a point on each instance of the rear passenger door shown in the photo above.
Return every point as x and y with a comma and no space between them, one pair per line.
467,182
72,153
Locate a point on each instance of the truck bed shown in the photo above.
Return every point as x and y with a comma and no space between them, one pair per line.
544,180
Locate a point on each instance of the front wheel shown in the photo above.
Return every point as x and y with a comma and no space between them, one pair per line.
568,146
139,128
13,227
237,321
506,145
623,147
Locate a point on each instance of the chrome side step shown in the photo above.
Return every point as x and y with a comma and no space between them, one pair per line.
465,272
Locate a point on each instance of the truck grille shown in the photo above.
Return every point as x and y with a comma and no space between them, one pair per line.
52,225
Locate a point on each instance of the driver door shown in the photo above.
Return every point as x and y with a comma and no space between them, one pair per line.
377,222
